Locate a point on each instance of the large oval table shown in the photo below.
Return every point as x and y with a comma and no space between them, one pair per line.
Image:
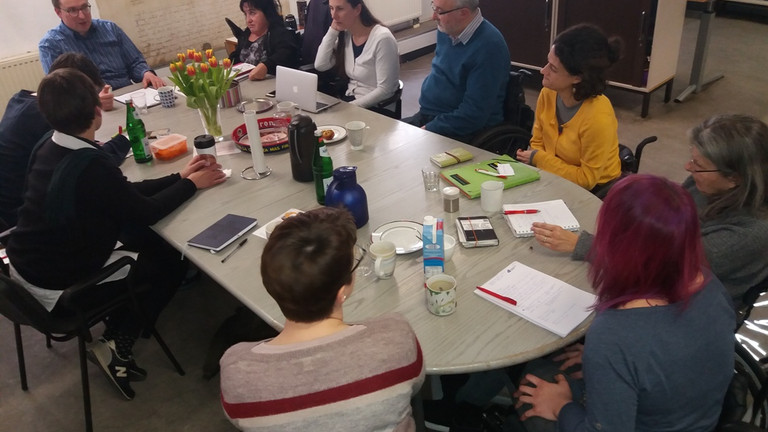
478,336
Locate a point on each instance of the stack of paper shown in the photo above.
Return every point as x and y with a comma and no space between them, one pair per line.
541,299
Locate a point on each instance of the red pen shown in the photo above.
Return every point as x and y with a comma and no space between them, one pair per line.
511,301
530,211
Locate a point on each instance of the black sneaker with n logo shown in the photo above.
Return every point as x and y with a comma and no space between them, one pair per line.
116,369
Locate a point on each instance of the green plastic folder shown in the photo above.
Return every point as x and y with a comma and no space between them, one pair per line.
468,180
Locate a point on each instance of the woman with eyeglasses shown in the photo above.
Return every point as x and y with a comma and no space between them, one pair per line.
575,131
321,373
266,43
659,353
360,48
729,184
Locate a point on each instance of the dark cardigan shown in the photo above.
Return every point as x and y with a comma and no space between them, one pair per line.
282,48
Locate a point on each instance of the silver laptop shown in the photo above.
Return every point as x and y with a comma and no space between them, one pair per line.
301,88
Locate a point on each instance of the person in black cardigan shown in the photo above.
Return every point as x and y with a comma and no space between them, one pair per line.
78,204
266,43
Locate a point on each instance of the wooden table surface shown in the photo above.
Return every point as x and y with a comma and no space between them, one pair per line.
478,336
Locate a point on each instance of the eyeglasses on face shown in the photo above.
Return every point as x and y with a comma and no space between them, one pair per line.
360,253
695,164
75,11
439,11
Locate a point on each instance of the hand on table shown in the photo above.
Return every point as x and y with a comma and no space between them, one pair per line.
203,173
107,98
258,73
570,357
524,156
546,398
555,237
150,79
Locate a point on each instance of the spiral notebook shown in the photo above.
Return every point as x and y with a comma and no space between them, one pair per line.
553,212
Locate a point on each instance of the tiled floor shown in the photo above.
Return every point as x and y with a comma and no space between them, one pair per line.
169,402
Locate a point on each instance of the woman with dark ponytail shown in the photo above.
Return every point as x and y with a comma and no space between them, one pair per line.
359,47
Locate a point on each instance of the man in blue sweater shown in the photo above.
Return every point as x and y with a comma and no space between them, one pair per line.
464,93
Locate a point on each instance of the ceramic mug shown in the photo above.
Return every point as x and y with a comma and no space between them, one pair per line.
441,294
385,258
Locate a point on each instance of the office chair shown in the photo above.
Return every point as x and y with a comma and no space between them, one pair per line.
392,106
21,308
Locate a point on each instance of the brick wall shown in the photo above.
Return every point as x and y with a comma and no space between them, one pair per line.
162,28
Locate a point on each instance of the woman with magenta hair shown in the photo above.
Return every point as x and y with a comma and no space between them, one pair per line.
360,48
646,363
729,184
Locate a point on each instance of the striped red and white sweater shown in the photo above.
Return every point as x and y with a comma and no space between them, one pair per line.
359,379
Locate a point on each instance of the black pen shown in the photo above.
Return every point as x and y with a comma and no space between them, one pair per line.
237,248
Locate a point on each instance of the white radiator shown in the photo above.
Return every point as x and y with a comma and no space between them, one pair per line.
16,73
393,12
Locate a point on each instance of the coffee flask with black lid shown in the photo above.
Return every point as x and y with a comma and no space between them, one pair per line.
301,140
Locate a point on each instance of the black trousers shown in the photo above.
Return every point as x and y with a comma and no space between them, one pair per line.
156,276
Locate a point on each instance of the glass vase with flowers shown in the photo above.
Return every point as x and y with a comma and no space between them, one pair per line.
203,82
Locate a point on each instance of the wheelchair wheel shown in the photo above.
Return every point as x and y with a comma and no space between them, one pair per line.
504,139
749,367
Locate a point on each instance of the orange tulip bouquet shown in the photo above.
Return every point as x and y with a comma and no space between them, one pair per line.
203,82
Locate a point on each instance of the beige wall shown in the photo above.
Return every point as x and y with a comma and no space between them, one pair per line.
162,28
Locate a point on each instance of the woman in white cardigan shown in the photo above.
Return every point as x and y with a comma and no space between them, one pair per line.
363,50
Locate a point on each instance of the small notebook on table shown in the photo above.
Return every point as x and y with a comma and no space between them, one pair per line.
523,216
476,231
451,157
223,232
468,179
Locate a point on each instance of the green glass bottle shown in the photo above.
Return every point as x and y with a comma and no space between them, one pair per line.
137,135
322,167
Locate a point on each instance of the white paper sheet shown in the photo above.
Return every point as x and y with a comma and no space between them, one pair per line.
542,299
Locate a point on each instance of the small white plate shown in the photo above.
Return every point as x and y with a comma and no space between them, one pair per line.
339,133
406,235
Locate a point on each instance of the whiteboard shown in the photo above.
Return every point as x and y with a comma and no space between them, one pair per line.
23,24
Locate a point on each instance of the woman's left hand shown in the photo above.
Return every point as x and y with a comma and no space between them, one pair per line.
546,398
524,156
258,73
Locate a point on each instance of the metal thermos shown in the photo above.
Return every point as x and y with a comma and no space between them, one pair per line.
301,139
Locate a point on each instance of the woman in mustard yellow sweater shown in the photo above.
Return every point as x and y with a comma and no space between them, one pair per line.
575,131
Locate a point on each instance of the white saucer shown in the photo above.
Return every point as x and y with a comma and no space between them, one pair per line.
339,133
406,235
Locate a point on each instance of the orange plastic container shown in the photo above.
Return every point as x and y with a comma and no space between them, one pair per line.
169,147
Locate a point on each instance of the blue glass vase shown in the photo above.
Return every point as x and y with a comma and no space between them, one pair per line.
345,192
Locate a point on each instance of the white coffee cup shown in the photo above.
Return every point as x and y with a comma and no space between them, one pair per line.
490,196
449,247
385,258
441,294
356,131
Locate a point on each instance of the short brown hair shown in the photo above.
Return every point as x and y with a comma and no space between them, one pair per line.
80,62
307,259
68,100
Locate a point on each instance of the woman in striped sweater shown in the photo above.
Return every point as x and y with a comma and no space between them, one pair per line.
321,373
